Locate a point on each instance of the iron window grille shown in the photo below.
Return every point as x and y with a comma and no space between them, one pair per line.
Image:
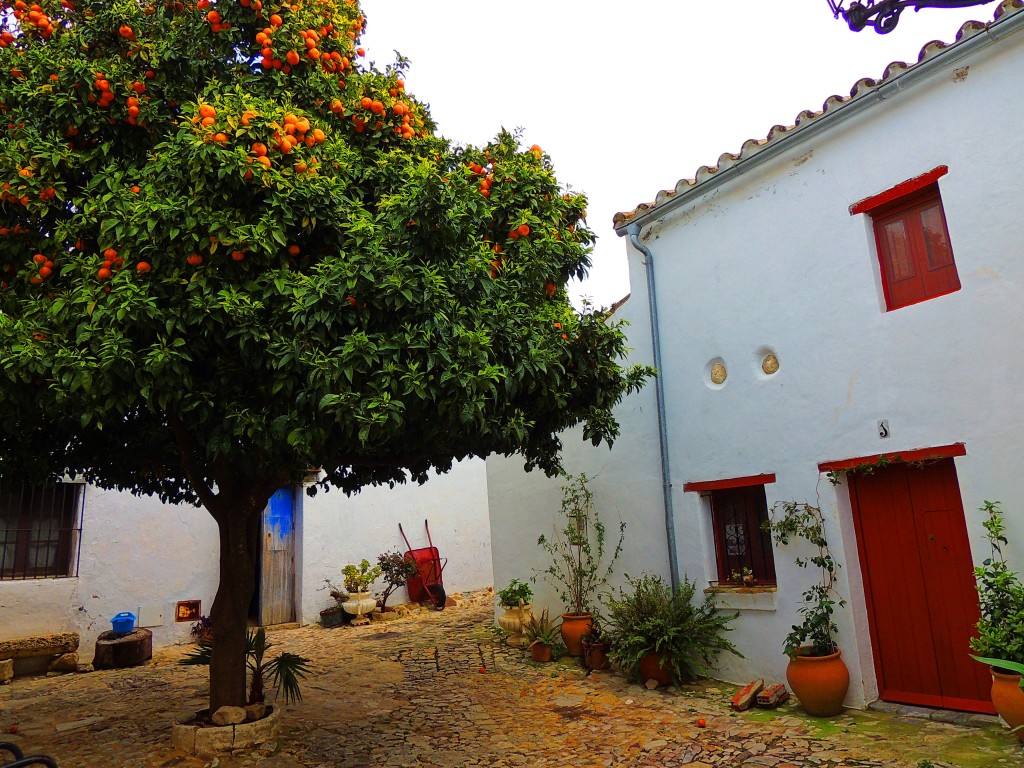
40,531
743,547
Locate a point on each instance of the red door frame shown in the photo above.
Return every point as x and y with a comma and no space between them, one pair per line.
942,452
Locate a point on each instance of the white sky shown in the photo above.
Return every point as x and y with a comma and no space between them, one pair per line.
627,98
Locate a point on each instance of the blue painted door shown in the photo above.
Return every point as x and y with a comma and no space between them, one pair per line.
277,560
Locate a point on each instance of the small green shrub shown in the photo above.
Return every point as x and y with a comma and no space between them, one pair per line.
516,590
650,617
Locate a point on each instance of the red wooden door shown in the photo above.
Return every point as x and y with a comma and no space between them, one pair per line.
919,583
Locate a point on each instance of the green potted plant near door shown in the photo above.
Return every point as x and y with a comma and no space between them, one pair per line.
816,673
999,641
577,552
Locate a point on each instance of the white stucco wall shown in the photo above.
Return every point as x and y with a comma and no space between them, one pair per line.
338,530
773,261
143,556
135,553
626,482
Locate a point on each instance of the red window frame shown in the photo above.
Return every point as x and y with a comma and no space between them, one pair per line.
740,501
912,241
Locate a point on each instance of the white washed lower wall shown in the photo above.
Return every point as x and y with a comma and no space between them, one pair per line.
143,556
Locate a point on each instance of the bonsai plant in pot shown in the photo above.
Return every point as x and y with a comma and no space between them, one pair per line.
515,599
999,641
816,673
395,569
542,634
658,634
577,552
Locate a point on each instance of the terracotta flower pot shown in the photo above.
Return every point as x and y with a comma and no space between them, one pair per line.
650,668
540,652
574,627
820,682
1008,699
595,655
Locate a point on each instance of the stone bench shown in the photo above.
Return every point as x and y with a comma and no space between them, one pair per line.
61,648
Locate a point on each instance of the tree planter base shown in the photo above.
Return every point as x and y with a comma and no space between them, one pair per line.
211,740
114,651
650,668
574,627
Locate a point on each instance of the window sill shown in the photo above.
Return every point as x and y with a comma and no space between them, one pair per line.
744,598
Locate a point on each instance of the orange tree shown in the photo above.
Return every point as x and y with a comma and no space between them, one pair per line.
231,251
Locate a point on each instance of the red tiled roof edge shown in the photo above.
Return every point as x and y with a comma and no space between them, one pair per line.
778,132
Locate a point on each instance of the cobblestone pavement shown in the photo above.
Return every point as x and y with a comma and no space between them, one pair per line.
440,690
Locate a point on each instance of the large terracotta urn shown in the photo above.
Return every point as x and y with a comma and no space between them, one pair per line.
574,627
820,682
1008,699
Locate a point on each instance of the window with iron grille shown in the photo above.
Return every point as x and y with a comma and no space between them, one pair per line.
744,549
40,530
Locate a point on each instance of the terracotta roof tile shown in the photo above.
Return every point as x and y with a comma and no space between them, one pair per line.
779,132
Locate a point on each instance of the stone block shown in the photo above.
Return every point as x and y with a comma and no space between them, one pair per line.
214,739
6,671
229,716
38,645
254,712
66,662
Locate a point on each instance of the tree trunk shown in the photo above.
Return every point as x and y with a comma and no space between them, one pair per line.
230,612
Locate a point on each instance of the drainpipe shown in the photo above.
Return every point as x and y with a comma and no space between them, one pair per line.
659,388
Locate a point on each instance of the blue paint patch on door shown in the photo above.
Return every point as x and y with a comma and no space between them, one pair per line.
280,517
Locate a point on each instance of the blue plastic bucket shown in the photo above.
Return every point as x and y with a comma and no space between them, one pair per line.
123,623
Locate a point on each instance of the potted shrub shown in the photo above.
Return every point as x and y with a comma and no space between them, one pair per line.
334,615
816,673
542,634
202,631
658,634
577,551
595,645
357,581
999,641
515,599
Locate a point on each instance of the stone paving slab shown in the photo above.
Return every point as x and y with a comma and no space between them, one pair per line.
441,690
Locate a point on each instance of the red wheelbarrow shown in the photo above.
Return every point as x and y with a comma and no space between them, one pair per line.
426,585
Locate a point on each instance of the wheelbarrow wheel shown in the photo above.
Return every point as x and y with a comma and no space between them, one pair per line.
437,596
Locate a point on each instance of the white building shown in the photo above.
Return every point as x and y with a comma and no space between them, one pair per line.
840,290
95,553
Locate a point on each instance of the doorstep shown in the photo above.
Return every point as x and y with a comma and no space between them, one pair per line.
971,719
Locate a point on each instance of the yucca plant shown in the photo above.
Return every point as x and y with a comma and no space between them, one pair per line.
285,670
650,617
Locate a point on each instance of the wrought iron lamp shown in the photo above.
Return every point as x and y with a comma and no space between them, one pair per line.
883,15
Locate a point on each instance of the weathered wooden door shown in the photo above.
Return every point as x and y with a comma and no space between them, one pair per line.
277,560
919,583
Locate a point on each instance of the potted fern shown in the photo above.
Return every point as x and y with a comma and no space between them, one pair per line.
658,634
577,552
816,672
